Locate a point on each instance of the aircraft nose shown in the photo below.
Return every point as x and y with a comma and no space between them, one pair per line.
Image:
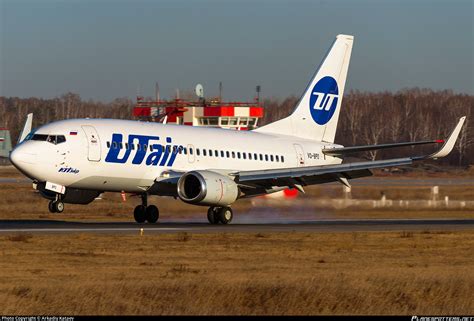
21,156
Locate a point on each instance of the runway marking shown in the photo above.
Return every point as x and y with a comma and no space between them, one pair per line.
90,229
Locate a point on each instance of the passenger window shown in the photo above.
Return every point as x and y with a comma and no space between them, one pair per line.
250,156
271,158
210,152
228,154
255,156
244,155
198,152
233,154
138,146
151,148
261,157
216,153
266,157
145,146
203,152
133,146
114,145
168,149
190,151
238,155
222,153
277,158
185,150
282,159
108,144
120,145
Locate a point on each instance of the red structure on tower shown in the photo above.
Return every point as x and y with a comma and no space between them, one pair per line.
212,113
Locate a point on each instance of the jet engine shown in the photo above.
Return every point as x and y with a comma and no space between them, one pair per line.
207,188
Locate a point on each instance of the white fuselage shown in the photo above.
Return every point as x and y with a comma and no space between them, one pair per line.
110,155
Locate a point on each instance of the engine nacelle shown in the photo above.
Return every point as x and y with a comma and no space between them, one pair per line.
72,195
207,188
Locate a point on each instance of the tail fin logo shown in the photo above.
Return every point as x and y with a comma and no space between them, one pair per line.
323,100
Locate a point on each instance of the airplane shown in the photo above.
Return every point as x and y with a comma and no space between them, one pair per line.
75,160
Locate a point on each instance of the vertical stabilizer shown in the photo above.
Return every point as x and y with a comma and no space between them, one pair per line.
317,112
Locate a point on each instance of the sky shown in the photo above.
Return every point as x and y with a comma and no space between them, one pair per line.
104,49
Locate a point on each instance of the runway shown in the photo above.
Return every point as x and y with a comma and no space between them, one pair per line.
337,225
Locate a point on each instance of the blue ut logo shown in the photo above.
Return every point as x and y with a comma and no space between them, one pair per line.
323,100
139,145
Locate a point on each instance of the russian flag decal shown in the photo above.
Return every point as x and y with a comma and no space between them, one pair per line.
73,133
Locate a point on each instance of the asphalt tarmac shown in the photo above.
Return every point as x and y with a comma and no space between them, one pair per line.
200,226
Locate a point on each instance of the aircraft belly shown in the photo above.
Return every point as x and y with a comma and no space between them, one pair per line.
114,184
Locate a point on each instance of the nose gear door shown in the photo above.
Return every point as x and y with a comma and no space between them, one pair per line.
93,143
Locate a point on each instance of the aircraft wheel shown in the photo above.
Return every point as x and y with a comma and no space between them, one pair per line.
51,207
212,215
152,214
225,215
58,207
140,214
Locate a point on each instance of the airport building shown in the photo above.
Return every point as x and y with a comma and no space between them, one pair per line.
209,113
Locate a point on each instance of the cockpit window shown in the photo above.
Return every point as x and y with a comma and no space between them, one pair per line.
53,139
39,137
60,139
29,136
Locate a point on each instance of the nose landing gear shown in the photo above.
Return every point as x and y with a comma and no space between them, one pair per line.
144,212
56,205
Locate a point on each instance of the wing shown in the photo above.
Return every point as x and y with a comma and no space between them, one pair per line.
266,181
355,149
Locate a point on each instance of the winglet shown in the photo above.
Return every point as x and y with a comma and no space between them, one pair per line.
449,144
26,128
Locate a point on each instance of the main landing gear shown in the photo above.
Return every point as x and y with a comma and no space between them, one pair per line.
56,206
144,212
216,215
